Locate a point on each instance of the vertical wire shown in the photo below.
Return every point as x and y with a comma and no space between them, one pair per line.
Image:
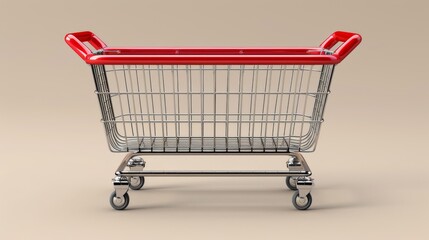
268,106
214,107
227,107
305,105
134,114
178,104
275,104
191,94
263,107
202,105
175,110
161,106
120,104
275,143
281,104
153,106
191,110
252,93
140,105
240,106
147,106
188,85
165,102
254,106
263,101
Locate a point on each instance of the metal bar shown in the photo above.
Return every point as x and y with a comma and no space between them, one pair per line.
227,108
178,104
220,114
210,121
153,102
277,98
165,98
202,105
254,107
161,106
147,103
214,173
281,107
268,104
188,85
198,93
251,101
214,107
240,105
134,107
174,103
140,103
263,102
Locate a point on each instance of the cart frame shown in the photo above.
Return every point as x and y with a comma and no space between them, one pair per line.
131,173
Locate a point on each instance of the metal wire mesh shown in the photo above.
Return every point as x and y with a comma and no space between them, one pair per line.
212,108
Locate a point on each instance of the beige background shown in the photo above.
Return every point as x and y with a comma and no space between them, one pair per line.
370,165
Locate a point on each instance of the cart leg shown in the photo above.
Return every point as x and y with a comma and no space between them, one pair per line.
302,198
136,164
119,199
293,164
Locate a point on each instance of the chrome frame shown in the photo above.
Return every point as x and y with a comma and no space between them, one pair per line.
297,165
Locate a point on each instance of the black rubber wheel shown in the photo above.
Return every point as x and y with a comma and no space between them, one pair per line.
291,183
136,183
119,203
301,203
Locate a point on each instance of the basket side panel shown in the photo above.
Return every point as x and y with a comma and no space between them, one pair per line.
212,108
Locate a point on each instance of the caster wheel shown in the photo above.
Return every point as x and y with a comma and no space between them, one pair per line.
119,203
301,203
291,183
136,183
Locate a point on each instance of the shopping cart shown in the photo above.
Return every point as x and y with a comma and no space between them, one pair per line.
212,101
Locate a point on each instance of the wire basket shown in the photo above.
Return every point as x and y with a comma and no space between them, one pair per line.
212,108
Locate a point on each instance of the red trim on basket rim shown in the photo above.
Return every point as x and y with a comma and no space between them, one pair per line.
212,56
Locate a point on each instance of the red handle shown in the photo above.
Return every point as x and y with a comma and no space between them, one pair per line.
350,42
76,42
215,56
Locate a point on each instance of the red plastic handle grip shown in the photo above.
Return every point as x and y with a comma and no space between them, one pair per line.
217,56
350,42
76,42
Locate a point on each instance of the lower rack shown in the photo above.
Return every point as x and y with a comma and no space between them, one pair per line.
130,175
